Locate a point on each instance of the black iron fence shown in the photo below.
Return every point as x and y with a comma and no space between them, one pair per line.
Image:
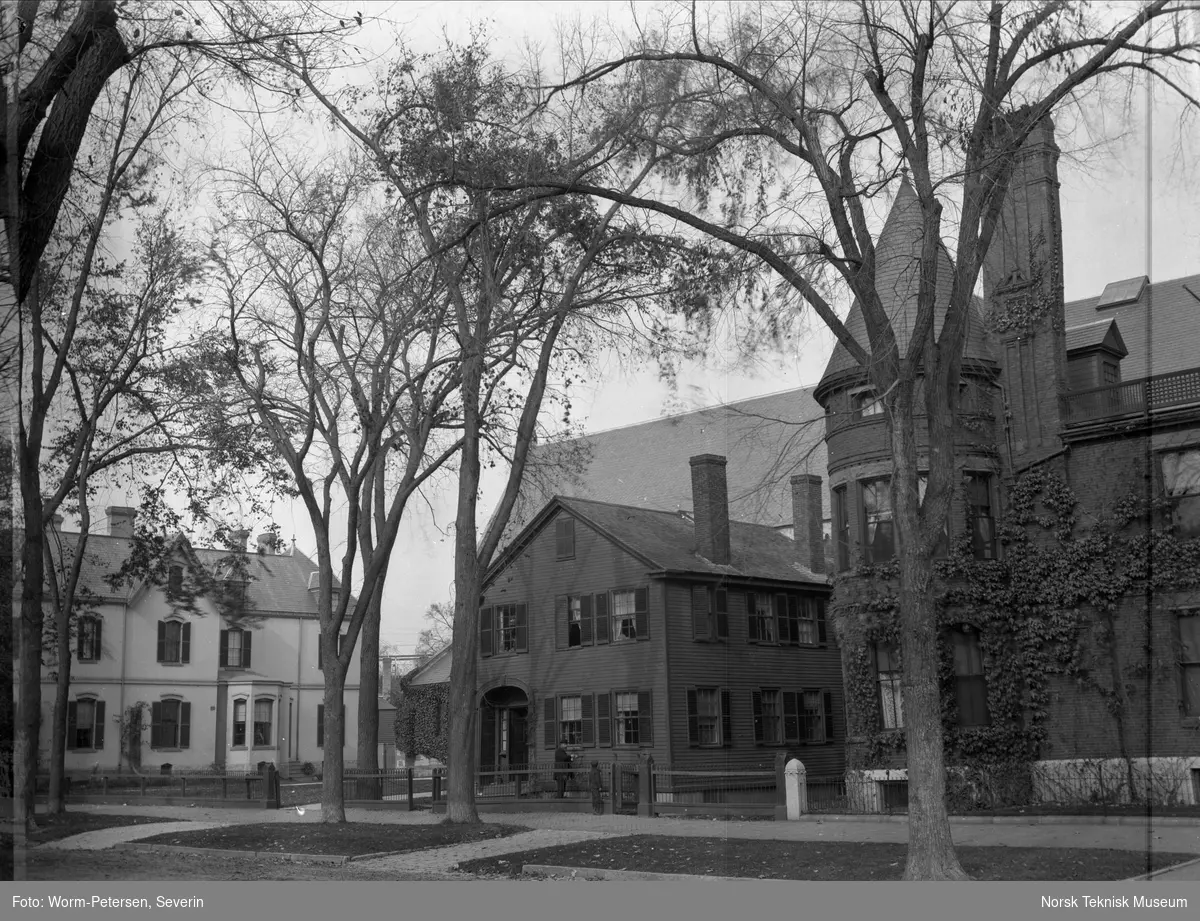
206,785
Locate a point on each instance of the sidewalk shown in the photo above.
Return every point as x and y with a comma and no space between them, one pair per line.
551,829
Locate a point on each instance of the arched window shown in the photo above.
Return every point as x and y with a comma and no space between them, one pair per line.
970,685
174,642
170,723
85,724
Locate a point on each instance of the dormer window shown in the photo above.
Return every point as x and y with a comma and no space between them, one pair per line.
175,580
865,403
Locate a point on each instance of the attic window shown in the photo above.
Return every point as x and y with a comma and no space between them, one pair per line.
564,539
1117,293
175,580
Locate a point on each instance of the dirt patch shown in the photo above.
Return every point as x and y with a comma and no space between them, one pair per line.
351,839
1179,811
851,861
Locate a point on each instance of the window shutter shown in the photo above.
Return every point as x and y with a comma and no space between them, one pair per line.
185,725
223,660
72,724
162,641
645,719
726,719
79,641
549,733
693,718
562,620
98,736
522,628
752,615
320,650
700,613
602,623
185,644
320,725
97,650
156,723
795,608
603,720
828,697
791,718
641,607
585,706
822,635
782,631
246,637
756,707
722,599
485,632
585,620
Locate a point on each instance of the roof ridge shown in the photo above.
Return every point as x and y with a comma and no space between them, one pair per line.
1092,298
656,511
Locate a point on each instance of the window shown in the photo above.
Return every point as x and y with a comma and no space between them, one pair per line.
841,528
761,620
768,716
970,686
1189,661
801,620
710,613
174,642
865,403
175,581
239,724
85,724
235,648
876,501
262,722
628,722
87,640
574,621
1181,478
709,717
891,703
564,539
170,724
570,720
503,630
629,615
979,515
1110,374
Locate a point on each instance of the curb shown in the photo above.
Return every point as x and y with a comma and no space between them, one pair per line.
1134,820
326,859
1163,871
595,873
353,858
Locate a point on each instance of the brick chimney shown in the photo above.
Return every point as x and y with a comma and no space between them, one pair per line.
710,507
266,543
120,520
238,539
807,512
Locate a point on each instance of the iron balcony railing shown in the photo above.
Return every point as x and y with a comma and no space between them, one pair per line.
1162,391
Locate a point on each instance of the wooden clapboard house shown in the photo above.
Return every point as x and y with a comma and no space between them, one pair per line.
631,631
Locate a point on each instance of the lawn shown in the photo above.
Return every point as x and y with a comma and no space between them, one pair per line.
351,839
770,859
56,827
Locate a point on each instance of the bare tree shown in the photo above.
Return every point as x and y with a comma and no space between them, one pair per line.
776,129
340,346
436,637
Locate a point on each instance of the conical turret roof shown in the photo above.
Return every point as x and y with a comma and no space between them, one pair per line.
898,280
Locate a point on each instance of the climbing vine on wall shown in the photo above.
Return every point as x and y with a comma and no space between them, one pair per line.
422,720
1046,611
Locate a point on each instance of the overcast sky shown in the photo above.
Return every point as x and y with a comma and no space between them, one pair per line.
1132,208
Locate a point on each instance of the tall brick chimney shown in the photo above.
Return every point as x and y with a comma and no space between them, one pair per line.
238,539
266,543
710,507
120,520
807,511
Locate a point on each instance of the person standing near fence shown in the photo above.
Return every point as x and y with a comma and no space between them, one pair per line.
594,783
562,767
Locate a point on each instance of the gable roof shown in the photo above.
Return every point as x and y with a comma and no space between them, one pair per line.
1160,326
666,542
435,670
278,583
897,279
1103,334
766,440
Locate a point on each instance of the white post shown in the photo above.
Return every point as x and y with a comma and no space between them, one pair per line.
796,787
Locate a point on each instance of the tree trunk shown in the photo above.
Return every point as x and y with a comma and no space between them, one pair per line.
29,701
930,846
460,750
57,802
333,799
368,691
7,651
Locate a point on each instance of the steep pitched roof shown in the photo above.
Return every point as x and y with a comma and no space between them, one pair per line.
278,583
1160,327
765,439
1101,334
434,671
897,279
666,542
